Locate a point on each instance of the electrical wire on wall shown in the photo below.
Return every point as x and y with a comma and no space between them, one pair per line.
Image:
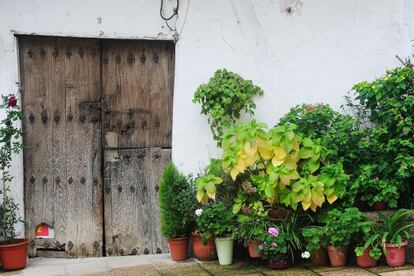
168,18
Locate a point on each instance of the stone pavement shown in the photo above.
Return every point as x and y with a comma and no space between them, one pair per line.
163,265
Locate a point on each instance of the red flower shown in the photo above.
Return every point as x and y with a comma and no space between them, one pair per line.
310,108
12,102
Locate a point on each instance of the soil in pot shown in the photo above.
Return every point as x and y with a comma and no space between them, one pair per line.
365,260
224,248
337,256
253,249
380,206
204,252
319,256
179,248
395,255
279,263
14,256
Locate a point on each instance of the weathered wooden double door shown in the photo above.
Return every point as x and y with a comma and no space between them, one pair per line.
98,122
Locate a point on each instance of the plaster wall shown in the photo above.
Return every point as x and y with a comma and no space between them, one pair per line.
314,53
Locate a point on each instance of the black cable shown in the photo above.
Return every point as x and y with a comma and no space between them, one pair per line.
175,12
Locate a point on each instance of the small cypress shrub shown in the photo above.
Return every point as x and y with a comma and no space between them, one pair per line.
177,204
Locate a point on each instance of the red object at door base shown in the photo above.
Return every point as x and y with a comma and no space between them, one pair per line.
14,256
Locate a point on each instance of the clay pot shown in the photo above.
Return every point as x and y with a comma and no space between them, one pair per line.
366,261
337,256
394,254
278,213
252,249
14,256
319,256
204,252
361,205
279,263
179,248
380,206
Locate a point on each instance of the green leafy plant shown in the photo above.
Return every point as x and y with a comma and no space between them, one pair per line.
10,144
275,166
224,98
177,204
386,104
371,240
215,221
342,225
315,237
251,227
395,228
339,134
273,244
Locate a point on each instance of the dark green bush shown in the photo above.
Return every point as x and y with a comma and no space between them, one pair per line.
177,204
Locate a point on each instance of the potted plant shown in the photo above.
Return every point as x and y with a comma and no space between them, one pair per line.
217,223
177,205
368,249
339,228
204,247
13,251
395,235
273,246
250,228
316,244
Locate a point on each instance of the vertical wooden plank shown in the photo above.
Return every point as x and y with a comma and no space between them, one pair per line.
37,95
83,134
161,85
126,93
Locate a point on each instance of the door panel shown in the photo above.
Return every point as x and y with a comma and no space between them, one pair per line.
62,152
137,88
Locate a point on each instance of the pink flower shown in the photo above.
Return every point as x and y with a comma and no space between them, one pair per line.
401,117
261,247
376,178
273,231
274,244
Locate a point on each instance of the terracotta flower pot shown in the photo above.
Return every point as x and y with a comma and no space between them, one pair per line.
14,256
319,256
278,213
252,249
204,252
278,264
337,256
380,206
361,205
366,261
395,255
179,248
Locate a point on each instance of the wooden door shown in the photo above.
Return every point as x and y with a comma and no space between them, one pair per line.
137,87
96,189
61,88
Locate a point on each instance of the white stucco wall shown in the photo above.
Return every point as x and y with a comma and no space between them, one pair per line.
314,54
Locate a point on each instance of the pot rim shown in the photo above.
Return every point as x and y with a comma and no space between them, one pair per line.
331,247
403,243
179,239
224,238
18,243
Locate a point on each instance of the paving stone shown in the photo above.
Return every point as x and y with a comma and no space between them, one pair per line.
44,270
100,268
127,261
144,270
237,268
10,273
319,269
384,268
348,271
165,262
291,271
186,270
408,272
